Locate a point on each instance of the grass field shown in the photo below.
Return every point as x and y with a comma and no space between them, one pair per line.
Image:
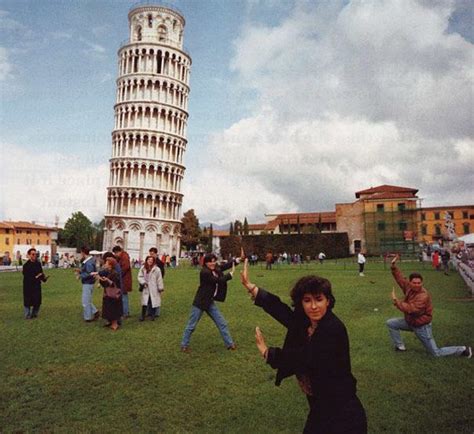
59,374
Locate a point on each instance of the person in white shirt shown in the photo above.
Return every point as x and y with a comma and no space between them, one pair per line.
361,261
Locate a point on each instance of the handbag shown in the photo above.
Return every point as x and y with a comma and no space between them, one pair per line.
113,292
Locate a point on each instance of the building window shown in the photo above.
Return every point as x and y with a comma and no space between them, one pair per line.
424,230
437,230
28,232
18,241
18,232
7,231
402,226
465,215
150,21
423,216
7,241
380,207
401,207
466,228
381,226
38,242
162,33
436,215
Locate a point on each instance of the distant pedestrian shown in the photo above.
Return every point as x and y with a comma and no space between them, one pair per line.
321,257
123,260
445,257
269,260
32,277
361,260
435,259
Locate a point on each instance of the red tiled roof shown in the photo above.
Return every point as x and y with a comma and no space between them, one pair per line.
220,233
387,189
28,225
446,207
4,225
307,217
257,227
390,195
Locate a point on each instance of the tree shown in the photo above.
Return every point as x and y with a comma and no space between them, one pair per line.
298,227
231,229
98,235
246,226
320,223
78,231
190,230
237,227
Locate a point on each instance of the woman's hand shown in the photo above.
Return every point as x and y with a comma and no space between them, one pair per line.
244,278
260,341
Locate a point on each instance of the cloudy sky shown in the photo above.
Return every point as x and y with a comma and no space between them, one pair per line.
294,105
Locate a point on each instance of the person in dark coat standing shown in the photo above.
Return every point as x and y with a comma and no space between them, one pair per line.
123,260
112,308
212,284
32,277
316,351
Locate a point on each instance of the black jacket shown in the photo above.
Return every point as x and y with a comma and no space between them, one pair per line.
209,283
324,358
31,284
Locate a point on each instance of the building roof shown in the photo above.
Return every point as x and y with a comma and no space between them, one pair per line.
257,227
4,225
446,207
385,188
306,217
220,233
27,225
390,195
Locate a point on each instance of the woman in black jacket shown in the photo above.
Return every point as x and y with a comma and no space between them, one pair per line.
212,286
316,351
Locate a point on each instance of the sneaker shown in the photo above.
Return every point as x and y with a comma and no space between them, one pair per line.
467,352
185,349
233,347
400,348
96,315
361,274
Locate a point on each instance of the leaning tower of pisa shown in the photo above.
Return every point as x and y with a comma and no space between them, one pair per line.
149,138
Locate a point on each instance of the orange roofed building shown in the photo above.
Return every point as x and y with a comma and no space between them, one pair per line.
19,236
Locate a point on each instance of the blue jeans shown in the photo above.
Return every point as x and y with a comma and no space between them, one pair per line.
424,333
215,315
89,308
126,308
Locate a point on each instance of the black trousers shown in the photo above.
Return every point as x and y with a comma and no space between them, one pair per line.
361,268
337,418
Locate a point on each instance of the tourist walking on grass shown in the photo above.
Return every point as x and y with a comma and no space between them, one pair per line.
269,260
212,286
361,260
418,315
87,274
316,351
151,287
123,260
32,277
112,308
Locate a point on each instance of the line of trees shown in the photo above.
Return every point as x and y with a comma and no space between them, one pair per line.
80,231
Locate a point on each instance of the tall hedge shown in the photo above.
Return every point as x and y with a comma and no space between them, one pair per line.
334,245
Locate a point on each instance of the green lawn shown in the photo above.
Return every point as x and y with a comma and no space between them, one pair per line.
59,374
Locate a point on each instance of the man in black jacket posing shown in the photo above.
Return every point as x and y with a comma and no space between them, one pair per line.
212,286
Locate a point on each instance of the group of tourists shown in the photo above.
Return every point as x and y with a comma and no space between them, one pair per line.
316,346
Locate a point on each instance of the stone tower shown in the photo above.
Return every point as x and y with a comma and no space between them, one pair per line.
149,138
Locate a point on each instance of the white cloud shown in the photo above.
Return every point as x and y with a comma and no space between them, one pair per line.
349,97
39,186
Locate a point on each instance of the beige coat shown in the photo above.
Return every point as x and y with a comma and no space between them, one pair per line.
153,285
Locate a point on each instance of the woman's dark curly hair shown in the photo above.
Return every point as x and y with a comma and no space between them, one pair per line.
311,285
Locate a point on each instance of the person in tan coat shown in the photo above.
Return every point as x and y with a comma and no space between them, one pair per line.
418,315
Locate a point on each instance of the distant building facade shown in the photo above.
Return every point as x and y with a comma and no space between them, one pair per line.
432,222
19,236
